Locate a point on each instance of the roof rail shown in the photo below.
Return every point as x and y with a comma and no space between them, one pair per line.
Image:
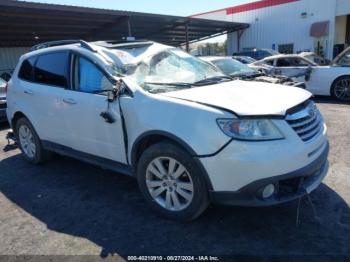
83,44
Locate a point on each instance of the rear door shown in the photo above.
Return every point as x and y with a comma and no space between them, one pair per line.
51,78
41,82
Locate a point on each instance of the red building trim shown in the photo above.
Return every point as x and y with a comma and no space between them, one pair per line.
256,5
249,7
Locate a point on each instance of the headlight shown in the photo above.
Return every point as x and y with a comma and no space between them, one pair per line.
250,129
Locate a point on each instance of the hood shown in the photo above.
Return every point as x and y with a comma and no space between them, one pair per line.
246,98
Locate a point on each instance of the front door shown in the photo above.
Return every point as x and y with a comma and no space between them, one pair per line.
87,131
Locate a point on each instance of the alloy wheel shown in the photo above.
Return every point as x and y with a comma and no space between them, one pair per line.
26,139
169,183
342,89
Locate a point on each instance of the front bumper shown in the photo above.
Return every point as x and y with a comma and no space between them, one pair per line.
288,186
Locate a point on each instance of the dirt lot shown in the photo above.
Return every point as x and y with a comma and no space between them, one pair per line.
69,207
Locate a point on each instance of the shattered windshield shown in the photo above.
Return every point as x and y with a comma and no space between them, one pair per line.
170,70
233,68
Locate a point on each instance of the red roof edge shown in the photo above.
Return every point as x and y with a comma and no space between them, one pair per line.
249,7
256,5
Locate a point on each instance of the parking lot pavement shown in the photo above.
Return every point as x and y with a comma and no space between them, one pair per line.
69,207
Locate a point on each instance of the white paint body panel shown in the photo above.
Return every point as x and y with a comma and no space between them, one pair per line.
246,98
241,163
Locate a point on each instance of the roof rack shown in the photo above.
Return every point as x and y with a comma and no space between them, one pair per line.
83,44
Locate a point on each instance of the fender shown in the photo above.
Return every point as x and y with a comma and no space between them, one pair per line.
159,133
178,141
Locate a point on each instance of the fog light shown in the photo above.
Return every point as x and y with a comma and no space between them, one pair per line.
268,191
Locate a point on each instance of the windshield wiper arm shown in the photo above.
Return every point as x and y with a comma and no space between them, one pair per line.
214,79
169,84
101,91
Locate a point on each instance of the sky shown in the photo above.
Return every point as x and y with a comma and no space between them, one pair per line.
168,7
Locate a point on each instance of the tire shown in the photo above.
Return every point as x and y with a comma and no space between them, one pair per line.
29,142
341,88
186,180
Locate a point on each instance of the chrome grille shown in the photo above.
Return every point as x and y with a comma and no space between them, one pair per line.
306,122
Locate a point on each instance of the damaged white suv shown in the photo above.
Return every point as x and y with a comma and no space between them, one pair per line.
188,133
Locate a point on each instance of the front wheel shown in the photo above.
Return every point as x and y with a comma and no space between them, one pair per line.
171,182
341,89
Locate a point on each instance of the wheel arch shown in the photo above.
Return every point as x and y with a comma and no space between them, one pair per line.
149,138
16,116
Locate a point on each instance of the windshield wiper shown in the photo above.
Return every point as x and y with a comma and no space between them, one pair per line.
180,84
101,91
212,80
247,76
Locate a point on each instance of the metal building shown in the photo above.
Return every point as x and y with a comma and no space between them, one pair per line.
321,26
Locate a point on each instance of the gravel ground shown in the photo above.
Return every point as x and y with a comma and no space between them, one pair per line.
67,207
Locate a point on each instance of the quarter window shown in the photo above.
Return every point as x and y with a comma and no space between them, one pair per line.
51,69
26,70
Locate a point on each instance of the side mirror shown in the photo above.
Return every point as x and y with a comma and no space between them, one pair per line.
111,96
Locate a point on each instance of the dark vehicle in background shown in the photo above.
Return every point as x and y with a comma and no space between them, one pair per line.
256,53
236,69
6,75
3,85
244,59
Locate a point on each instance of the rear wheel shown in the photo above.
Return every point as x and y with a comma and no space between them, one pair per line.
171,182
29,142
341,88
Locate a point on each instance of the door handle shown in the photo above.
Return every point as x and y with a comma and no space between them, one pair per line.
69,101
28,92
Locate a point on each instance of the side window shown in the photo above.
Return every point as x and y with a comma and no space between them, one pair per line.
283,62
292,62
269,62
26,70
52,69
88,78
300,62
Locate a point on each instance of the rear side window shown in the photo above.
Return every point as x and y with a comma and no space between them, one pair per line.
26,70
52,69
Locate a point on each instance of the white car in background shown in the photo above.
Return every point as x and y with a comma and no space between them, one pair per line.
332,80
237,70
3,85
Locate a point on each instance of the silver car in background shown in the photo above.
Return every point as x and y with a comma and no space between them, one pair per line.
3,84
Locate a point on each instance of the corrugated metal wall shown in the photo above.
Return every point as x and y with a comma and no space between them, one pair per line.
283,24
343,7
9,57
